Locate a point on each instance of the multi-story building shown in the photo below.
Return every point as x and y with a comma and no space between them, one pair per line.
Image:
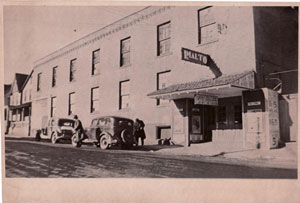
7,89
182,70
20,104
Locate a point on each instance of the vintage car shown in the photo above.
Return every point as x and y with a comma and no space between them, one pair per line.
59,129
108,131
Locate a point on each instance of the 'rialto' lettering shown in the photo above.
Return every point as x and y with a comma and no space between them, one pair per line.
189,55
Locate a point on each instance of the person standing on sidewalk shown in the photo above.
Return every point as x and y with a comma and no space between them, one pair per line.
139,131
78,128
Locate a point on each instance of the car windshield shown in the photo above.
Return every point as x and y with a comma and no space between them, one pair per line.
66,122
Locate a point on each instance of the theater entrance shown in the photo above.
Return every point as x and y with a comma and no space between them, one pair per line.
202,120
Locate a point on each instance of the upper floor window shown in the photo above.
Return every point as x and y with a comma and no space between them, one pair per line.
53,106
39,80
72,69
94,99
25,96
207,28
124,94
125,52
54,72
71,103
96,62
164,38
162,82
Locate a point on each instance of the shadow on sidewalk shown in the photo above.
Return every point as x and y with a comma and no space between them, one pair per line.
156,147
231,152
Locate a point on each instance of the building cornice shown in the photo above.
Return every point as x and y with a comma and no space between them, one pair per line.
106,31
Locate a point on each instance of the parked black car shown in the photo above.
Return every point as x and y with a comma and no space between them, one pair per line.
59,129
111,130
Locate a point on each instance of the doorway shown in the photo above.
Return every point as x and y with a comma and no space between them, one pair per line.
202,121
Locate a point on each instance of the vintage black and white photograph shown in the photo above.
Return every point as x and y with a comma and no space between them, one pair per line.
150,91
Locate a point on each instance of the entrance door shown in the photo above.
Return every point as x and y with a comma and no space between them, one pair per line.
202,119
209,122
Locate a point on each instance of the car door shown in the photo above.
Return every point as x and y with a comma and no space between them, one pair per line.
92,130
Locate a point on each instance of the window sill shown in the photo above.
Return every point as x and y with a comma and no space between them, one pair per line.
163,55
207,43
95,75
94,112
125,109
125,66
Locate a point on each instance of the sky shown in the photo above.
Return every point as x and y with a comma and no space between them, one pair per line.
32,32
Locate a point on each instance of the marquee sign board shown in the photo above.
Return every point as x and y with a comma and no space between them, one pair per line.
206,99
195,57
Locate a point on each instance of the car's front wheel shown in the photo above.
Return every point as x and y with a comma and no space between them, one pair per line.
54,138
104,142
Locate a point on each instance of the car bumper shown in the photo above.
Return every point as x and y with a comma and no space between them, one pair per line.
64,136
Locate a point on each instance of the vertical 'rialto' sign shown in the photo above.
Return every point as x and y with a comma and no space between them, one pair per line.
195,57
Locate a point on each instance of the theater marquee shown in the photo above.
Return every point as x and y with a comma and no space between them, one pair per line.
195,57
206,99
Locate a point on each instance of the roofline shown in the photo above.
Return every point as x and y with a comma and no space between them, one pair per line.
40,60
28,77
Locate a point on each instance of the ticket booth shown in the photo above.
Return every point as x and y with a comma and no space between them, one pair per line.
261,126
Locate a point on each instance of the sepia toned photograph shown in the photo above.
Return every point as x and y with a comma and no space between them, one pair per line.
150,92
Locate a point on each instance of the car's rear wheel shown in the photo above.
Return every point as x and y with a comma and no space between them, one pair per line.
54,138
104,142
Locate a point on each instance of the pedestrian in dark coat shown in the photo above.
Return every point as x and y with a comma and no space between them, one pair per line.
139,131
78,128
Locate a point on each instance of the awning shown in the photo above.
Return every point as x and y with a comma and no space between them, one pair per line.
224,86
20,106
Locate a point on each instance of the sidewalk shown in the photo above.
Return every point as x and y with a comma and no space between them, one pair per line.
285,157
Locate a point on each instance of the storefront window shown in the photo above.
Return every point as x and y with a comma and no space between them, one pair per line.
222,114
237,114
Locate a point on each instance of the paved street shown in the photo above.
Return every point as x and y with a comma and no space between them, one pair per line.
28,158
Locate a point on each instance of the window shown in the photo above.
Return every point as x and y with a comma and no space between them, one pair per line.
72,70
207,29
162,82
222,114
237,114
71,103
94,99
39,80
124,94
125,52
164,38
96,62
25,96
53,106
30,95
54,76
